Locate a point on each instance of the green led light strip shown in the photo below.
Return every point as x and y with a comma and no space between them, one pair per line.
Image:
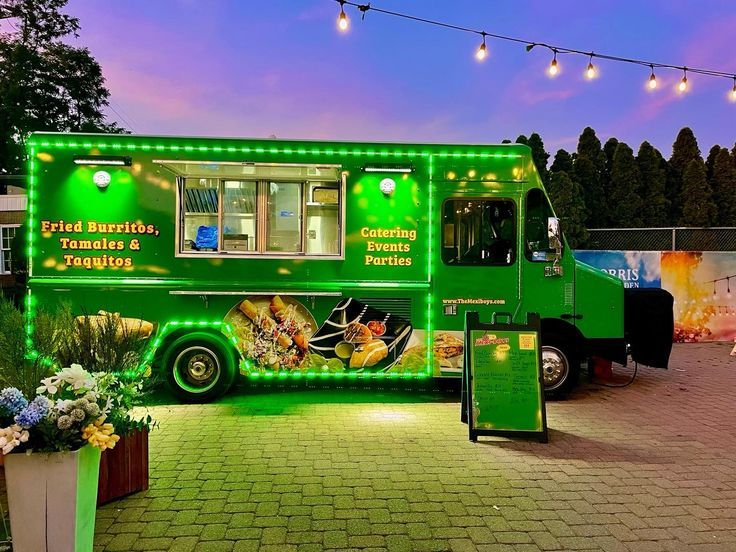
54,280
337,375
272,150
174,325
430,260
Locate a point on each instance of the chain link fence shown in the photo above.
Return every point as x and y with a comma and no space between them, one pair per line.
662,239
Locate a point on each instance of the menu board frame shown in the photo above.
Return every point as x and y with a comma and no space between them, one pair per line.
472,323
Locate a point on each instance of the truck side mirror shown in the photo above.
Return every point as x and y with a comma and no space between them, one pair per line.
554,234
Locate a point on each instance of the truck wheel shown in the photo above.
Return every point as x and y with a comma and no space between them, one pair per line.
560,366
199,367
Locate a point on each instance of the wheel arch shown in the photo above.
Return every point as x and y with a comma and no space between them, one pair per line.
565,330
171,332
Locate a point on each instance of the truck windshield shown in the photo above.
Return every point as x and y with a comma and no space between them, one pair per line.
478,232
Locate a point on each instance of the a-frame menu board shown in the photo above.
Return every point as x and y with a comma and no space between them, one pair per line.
503,387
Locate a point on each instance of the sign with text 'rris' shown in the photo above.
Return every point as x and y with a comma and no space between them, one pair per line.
503,390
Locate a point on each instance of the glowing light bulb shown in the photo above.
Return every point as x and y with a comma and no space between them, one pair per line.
652,82
682,85
733,91
342,22
590,72
482,51
554,68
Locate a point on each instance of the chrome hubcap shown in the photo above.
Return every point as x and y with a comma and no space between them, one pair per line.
196,369
555,367
201,367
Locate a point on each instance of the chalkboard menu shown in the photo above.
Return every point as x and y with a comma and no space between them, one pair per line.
503,390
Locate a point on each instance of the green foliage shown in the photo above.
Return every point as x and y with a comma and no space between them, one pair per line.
723,185
19,366
590,164
653,171
45,84
562,162
567,199
100,343
711,160
625,204
539,154
684,150
698,207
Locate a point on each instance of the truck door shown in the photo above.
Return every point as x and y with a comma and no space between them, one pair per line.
476,268
546,287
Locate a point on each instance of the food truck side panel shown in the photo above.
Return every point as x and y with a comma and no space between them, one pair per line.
131,267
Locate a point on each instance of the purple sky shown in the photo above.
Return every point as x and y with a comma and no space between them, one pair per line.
262,67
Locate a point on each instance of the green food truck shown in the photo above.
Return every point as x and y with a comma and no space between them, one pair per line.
303,259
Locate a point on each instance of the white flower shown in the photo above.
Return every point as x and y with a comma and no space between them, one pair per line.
63,405
77,377
49,385
11,437
108,406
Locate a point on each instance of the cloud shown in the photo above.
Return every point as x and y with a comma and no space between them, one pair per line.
531,91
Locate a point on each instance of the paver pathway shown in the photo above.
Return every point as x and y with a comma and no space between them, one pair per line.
644,468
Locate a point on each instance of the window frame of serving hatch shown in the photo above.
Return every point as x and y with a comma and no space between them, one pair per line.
261,221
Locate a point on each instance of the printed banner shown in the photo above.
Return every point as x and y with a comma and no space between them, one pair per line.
700,281
637,269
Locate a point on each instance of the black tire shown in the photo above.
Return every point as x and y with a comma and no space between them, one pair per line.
560,366
199,367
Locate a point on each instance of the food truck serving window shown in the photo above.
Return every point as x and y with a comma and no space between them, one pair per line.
478,232
259,210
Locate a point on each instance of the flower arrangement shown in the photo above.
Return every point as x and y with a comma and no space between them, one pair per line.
72,408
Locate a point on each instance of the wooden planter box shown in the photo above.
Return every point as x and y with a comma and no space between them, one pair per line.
124,469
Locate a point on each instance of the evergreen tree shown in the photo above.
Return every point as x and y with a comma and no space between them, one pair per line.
710,161
652,168
723,184
684,150
567,200
625,203
609,148
589,166
698,207
45,84
562,162
539,154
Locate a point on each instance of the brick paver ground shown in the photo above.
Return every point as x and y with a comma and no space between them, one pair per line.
645,468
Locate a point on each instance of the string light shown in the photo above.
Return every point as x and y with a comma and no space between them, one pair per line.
342,20
590,72
482,52
652,79
554,68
